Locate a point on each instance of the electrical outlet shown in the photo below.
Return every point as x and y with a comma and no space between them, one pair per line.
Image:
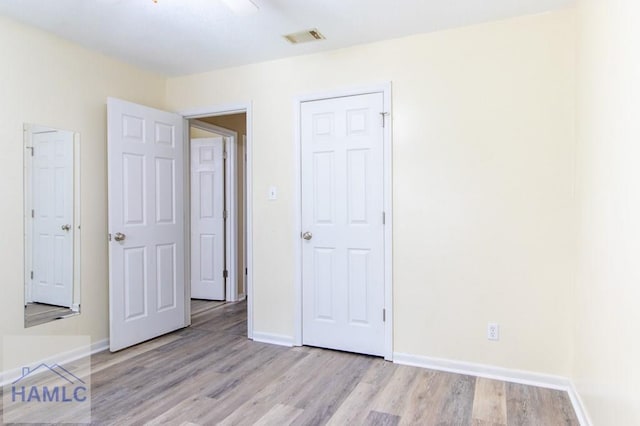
493,331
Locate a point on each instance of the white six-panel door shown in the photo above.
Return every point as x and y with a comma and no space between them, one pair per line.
52,218
342,221
146,223
207,219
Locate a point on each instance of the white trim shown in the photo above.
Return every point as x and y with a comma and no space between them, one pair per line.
385,89
6,377
77,223
231,228
482,370
273,339
347,91
27,190
244,220
578,406
297,223
186,149
203,125
231,222
499,373
99,346
249,222
217,110
238,108
388,229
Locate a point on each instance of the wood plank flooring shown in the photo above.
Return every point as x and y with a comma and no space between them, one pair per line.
210,373
39,313
202,307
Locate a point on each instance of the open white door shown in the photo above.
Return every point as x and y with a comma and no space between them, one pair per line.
146,223
52,217
207,219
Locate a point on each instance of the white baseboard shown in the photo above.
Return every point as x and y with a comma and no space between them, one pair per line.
274,339
578,406
7,377
99,346
499,373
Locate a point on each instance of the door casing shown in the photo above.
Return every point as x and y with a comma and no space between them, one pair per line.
385,89
217,110
231,229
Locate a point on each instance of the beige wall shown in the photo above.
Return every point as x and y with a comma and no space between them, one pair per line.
47,81
195,133
483,183
607,344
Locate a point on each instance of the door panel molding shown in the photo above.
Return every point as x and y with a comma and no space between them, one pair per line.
385,90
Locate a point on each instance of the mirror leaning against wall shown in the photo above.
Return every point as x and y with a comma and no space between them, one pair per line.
51,224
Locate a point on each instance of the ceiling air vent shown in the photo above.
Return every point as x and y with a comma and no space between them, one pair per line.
304,36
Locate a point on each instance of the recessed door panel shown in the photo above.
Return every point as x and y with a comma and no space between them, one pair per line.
358,283
60,196
133,129
324,283
207,199
44,260
165,190
323,187
59,261
133,188
166,283
323,126
207,250
135,283
357,121
165,134
357,185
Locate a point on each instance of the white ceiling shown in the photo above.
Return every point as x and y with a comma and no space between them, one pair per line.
177,37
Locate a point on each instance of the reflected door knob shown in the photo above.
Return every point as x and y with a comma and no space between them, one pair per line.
119,236
66,227
307,235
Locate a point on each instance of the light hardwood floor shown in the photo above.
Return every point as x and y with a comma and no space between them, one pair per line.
202,307
210,373
39,313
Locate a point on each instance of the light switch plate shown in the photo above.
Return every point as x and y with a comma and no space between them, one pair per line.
273,193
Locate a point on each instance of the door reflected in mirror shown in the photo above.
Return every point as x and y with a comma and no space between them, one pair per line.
51,224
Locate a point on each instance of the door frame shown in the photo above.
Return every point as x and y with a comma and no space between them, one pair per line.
217,110
385,89
230,203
